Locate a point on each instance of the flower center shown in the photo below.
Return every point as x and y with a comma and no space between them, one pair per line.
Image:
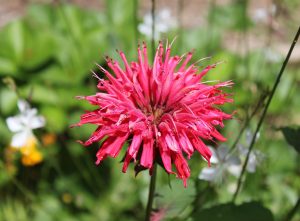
157,114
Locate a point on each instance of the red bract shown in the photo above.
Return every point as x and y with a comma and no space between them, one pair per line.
164,112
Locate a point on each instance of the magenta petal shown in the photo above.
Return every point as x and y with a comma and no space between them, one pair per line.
183,170
148,153
135,145
111,147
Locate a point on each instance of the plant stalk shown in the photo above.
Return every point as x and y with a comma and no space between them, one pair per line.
264,114
293,211
151,194
153,27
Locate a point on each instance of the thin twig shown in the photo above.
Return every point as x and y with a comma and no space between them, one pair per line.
264,113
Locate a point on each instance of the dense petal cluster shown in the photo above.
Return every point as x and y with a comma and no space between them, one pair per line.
163,111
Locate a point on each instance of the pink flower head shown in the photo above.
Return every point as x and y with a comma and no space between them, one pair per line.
164,112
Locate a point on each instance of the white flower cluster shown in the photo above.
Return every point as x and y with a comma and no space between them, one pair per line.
23,124
224,162
163,23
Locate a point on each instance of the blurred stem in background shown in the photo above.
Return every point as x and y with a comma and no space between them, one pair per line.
135,20
264,114
210,26
180,6
153,28
248,120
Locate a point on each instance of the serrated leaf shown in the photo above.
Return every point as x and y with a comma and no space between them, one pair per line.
291,135
229,212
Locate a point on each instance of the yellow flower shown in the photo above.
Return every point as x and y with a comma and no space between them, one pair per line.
48,139
30,154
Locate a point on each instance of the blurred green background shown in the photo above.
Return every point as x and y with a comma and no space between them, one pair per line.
48,48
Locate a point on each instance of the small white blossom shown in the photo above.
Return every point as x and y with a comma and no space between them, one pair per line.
223,162
23,124
163,23
263,14
255,156
272,55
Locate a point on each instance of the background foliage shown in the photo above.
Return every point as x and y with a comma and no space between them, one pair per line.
49,53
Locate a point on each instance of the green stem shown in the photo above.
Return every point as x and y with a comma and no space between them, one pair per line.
180,7
293,211
247,121
264,114
151,194
153,27
135,21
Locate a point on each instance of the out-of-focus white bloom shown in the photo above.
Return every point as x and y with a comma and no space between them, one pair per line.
255,156
272,55
223,163
260,15
163,23
263,14
23,124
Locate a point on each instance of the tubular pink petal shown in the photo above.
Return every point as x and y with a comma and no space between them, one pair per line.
148,153
201,148
183,170
127,160
135,146
111,147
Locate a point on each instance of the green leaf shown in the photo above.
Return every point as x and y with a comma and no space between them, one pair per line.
229,212
291,135
7,67
176,199
40,93
38,50
8,100
12,41
56,119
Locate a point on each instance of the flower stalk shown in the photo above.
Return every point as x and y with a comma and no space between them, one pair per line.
151,193
264,114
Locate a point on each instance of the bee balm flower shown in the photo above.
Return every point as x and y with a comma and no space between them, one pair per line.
163,111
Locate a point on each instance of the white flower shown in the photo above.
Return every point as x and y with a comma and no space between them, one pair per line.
23,124
272,55
163,23
224,162
255,156
263,14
